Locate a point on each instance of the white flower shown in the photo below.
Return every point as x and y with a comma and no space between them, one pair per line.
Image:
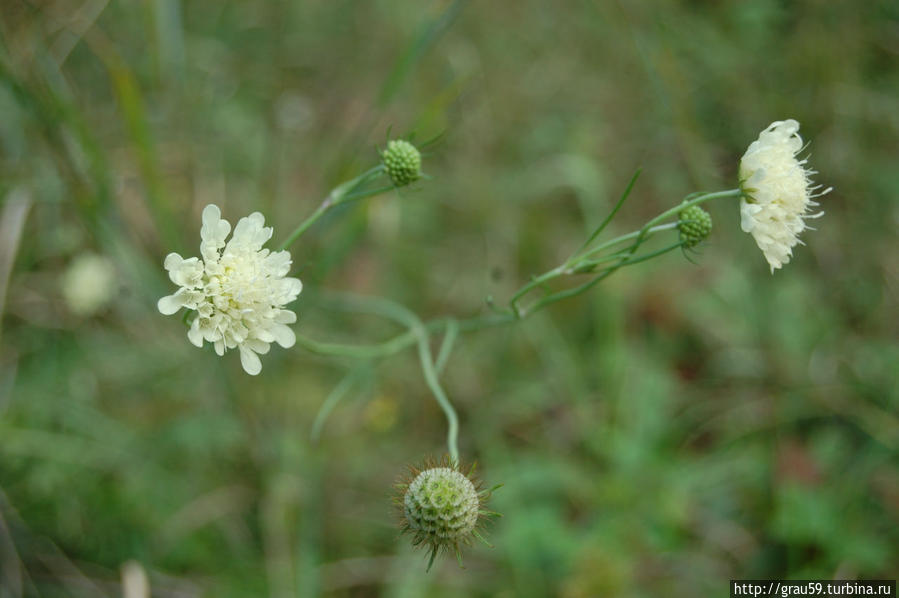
238,289
778,192
89,283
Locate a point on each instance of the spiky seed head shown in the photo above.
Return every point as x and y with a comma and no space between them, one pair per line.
442,507
402,161
695,225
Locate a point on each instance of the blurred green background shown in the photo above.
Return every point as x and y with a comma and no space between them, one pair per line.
679,426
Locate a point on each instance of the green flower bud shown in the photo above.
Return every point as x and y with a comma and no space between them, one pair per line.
402,161
695,225
442,508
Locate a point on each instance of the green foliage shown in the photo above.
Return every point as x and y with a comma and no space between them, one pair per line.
677,427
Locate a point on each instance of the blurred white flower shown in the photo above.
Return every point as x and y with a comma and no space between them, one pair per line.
238,289
89,283
134,581
777,191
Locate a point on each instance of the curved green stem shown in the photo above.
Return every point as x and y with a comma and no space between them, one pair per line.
406,317
427,366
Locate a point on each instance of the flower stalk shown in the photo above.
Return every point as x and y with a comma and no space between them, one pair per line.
583,262
400,162
344,193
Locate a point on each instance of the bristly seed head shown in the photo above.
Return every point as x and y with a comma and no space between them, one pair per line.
695,226
441,507
402,161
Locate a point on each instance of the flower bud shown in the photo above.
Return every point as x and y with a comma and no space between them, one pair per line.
402,161
695,225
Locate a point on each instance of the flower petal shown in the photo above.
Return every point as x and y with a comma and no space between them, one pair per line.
170,304
257,346
194,335
250,361
285,316
284,335
747,215
214,230
211,215
265,335
172,261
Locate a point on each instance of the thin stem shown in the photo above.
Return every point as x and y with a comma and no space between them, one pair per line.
427,366
401,341
632,235
649,256
625,261
534,283
650,227
692,202
336,395
449,338
342,193
326,205
368,193
608,219
406,317
575,263
375,351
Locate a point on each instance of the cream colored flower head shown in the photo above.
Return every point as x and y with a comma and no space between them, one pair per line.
778,193
238,289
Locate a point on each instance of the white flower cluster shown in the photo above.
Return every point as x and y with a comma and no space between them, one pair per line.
778,192
238,289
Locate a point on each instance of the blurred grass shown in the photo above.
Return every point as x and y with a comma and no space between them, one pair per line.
677,427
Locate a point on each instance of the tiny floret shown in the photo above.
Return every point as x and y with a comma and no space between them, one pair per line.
237,289
778,193
695,226
402,161
442,508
